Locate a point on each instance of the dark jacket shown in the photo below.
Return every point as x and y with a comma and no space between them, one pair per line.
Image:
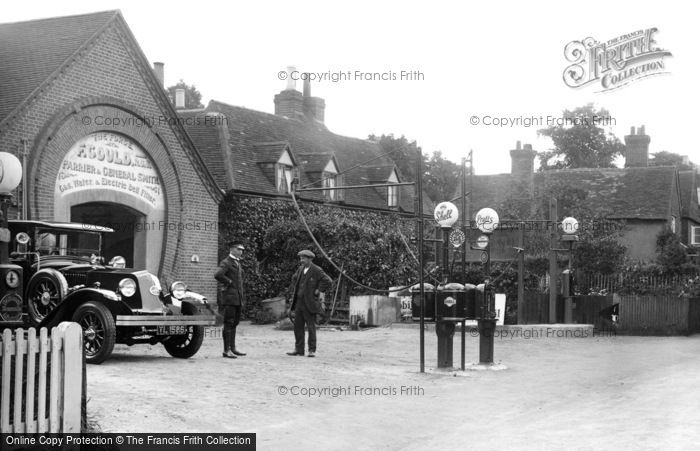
314,283
230,274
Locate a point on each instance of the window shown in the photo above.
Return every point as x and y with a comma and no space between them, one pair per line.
695,235
330,181
392,192
284,177
392,196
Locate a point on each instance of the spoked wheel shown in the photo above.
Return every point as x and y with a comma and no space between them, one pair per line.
185,346
46,289
99,331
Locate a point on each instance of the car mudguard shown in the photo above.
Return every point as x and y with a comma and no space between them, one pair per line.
73,300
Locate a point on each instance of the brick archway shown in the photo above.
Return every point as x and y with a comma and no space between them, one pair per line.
94,115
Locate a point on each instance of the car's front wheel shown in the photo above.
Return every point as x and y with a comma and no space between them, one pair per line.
185,346
46,289
99,331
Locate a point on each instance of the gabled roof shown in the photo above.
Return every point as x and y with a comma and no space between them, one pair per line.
30,52
271,152
616,193
629,193
689,195
379,174
316,162
252,132
35,53
208,143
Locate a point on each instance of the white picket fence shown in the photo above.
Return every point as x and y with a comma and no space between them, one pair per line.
53,402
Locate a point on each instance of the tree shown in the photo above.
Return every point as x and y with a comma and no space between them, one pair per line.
402,152
671,254
193,98
440,176
580,141
665,158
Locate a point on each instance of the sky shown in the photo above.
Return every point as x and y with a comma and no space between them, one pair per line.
465,65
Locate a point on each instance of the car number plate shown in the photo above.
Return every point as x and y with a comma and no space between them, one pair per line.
172,330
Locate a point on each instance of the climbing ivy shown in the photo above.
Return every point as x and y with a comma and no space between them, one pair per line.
370,246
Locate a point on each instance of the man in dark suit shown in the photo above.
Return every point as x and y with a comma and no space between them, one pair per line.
231,296
308,282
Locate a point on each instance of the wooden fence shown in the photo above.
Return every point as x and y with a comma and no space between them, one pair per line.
637,314
587,310
537,308
41,380
631,283
659,315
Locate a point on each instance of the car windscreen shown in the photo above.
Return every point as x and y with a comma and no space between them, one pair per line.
67,242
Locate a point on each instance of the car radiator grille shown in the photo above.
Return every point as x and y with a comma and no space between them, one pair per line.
73,279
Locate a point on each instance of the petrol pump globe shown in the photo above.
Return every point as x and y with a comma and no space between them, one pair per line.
487,220
446,214
569,225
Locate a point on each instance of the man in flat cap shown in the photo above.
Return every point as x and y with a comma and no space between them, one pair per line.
231,296
308,282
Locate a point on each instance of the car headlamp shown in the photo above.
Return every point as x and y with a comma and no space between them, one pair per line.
127,287
118,262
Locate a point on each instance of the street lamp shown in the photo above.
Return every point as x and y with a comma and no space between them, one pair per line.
570,227
10,176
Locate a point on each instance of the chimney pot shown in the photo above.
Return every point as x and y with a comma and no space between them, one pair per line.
291,82
631,130
641,130
159,69
517,145
180,98
307,87
528,147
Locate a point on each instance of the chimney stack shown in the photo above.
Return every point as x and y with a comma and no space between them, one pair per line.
637,148
523,169
159,69
290,102
180,98
314,107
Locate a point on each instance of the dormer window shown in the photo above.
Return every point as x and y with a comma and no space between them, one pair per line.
284,173
392,192
695,235
331,179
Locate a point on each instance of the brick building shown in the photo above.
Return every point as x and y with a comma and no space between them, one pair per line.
103,145
253,153
649,199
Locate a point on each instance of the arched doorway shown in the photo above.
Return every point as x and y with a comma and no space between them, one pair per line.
128,238
109,179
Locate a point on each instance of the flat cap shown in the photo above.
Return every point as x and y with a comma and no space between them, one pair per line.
306,253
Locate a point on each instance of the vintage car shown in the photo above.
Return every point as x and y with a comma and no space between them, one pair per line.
65,277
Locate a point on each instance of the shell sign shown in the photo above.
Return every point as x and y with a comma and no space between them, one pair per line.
446,214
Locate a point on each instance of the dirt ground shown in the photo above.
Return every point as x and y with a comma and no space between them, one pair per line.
364,390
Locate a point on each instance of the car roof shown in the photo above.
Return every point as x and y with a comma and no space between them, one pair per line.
62,225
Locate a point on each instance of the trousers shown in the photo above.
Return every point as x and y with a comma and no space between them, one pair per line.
232,316
304,317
